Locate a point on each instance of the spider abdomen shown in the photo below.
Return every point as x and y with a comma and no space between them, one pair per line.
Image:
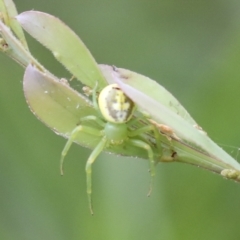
115,106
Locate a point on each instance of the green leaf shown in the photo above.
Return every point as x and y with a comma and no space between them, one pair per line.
189,139
65,45
9,11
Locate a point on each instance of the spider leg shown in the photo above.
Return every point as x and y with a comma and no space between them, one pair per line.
145,129
73,135
94,97
97,150
134,120
95,119
147,147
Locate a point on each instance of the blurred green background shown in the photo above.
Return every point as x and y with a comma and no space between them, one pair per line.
193,49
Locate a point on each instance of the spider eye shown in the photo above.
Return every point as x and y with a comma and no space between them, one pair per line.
114,105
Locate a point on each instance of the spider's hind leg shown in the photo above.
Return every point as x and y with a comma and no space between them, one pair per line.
147,147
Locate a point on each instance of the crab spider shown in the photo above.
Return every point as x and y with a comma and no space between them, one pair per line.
117,117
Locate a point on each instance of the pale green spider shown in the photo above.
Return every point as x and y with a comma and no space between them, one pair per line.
117,110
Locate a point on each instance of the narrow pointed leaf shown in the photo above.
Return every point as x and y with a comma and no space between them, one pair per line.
9,11
4,13
15,49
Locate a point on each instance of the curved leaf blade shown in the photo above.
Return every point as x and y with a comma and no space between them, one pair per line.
55,103
65,45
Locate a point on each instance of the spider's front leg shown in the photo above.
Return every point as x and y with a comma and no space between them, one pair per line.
97,150
73,136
